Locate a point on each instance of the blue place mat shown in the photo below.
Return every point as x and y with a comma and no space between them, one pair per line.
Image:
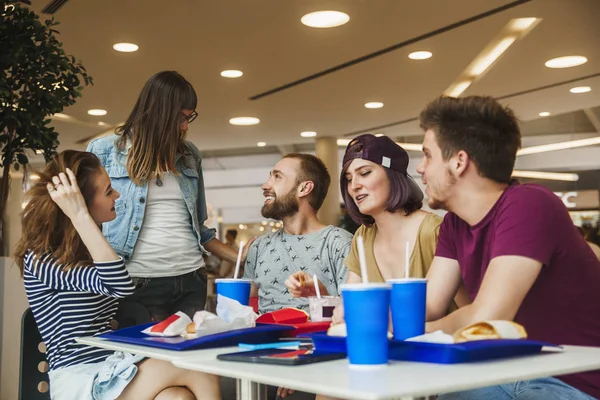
442,353
260,334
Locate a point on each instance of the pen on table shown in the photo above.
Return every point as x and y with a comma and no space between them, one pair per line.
276,345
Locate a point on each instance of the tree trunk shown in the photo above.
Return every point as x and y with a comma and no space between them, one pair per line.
4,190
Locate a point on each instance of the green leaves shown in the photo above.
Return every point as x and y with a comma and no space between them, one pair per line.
37,79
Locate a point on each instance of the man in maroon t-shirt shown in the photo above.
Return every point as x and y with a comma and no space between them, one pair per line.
514,246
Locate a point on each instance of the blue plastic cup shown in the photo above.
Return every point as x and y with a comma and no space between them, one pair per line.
408,301
236,289
366,311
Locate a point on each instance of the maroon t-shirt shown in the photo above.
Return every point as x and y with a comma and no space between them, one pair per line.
563,305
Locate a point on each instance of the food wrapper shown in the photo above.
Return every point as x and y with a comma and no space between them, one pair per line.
284,316
174,325
231,315
484,330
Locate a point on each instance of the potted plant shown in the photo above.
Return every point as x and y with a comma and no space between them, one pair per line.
37,80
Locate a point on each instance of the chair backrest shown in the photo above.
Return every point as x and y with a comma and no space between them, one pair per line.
34,383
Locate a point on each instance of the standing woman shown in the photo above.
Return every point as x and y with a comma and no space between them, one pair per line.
159,230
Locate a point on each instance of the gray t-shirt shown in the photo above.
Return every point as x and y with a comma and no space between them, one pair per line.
275,256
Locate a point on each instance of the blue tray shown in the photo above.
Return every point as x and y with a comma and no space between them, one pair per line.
442,353
259,334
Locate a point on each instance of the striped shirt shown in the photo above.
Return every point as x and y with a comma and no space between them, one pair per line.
69,304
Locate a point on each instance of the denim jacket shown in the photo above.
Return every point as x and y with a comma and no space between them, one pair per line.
122,233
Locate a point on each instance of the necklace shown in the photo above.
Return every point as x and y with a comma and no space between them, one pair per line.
159,181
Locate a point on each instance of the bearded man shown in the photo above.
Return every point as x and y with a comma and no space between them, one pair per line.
304,246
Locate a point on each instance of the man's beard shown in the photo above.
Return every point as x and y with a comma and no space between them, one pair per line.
441,202
280,208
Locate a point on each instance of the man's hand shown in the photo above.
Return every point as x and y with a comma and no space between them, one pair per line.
301,284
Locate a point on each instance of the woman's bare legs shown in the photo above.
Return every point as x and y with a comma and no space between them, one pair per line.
154,376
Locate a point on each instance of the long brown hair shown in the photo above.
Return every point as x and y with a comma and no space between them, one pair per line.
153,126
45,228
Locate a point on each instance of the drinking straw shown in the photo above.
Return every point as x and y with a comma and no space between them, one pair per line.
316,282
239,259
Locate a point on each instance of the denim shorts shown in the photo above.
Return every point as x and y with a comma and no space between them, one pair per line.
100,381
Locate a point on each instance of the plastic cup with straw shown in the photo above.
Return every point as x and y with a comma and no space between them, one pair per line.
408,302
366,310
235,288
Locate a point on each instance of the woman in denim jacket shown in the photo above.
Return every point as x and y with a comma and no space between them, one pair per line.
159,230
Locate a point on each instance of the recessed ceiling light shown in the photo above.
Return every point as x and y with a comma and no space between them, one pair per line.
458,89
308,134
420,55
544,114
125,47
483,63
566,62
580,89
374,104
97,112
261,144
325,19
379,134
102,123
244,121
521,24
231,73
555,176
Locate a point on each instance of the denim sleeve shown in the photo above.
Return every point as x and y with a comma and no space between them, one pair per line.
206,233
91,148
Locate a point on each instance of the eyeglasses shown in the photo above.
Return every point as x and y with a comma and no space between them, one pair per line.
190,118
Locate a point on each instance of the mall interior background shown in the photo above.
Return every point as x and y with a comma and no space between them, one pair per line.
298,79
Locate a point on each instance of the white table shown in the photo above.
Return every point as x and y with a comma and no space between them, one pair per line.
399,379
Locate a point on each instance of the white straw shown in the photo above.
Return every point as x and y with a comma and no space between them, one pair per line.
361,259
407,261
316,282
239,259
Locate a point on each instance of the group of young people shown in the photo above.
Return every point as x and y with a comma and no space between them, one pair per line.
123,238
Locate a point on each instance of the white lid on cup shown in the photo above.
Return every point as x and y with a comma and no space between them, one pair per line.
229,280
364,286
405,280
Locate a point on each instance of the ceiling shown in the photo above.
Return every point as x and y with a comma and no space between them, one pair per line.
266,40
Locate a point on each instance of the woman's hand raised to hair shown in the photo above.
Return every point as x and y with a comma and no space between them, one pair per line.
64,191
